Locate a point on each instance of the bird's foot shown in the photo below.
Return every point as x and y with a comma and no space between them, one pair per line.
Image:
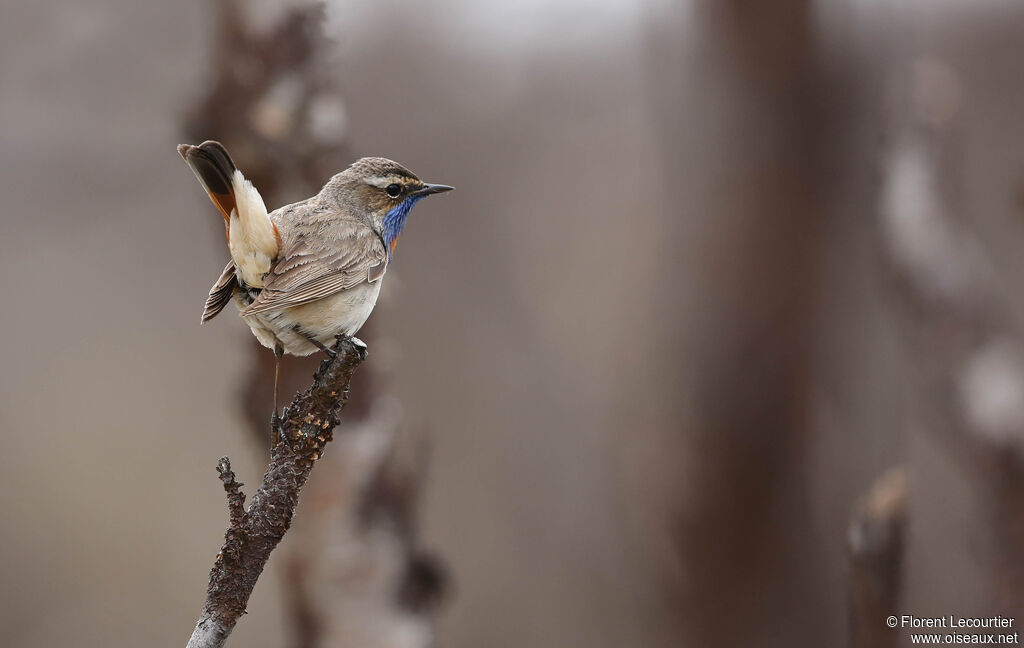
360,346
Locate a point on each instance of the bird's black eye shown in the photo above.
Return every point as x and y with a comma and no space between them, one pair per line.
393,190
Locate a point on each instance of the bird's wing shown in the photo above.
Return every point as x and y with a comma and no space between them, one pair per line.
308,271
221,293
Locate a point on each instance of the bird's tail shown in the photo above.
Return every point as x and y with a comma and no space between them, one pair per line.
214,168
252,237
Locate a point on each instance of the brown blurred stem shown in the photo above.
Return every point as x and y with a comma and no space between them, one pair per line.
744,536
285,158
306,428
968,344
875,546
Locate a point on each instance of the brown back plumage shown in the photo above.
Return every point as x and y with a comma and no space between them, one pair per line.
346,253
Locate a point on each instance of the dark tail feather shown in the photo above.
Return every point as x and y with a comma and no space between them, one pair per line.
213,166
220,294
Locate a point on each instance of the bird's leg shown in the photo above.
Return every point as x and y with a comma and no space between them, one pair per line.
275,420
313,341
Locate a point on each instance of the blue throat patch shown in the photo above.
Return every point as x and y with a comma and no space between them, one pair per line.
394,222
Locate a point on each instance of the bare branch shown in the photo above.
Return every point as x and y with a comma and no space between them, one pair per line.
875,545
306,428
236,498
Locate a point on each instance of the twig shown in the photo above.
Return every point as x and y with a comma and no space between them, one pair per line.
306,428
875,553
236,498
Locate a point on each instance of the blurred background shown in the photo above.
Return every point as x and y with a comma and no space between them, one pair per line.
718,342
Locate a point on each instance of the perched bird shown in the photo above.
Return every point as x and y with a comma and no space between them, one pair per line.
310,271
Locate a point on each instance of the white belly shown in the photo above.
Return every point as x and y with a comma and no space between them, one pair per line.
343,313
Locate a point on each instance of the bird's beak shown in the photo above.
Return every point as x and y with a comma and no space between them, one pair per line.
428,189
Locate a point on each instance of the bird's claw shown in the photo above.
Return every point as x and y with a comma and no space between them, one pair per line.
359,345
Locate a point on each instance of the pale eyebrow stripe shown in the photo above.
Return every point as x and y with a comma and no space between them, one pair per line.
382,181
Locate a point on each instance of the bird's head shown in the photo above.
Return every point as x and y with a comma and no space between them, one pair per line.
381,191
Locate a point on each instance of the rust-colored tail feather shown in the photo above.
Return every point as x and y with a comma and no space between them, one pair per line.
213,166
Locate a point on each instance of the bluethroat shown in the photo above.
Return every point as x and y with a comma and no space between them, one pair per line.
310,271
